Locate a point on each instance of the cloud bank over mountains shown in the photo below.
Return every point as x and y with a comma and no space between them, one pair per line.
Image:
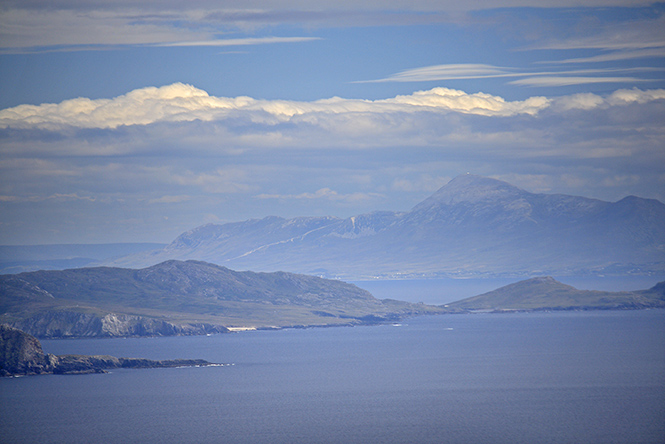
135,121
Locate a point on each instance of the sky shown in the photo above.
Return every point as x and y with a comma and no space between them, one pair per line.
135,121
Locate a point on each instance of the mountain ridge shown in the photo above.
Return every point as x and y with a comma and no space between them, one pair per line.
472,227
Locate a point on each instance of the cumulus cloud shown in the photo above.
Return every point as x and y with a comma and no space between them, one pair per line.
588,101
244,115
179,118
179,102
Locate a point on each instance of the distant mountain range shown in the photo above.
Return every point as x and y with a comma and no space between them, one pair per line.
546,293
180,298
473,226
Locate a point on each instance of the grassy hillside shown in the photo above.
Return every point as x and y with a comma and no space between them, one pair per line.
178,297
544,293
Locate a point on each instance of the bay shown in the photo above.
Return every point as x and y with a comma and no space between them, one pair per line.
559,377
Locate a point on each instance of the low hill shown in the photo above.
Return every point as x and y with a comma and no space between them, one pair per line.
546,293
176,297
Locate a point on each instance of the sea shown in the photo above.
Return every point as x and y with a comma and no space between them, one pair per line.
536,378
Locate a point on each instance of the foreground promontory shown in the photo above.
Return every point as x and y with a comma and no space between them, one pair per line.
21,354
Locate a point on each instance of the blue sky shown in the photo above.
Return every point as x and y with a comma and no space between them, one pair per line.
135,121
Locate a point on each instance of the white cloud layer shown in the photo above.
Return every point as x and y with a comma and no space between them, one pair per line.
185,103
179,102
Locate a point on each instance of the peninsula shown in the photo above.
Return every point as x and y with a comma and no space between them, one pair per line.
21,355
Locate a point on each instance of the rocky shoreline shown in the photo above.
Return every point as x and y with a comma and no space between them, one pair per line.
21,355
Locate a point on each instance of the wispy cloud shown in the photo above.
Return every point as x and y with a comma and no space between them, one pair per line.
535,77
324,193
657,52
445,72
573,80
244,41
60,30
169,199
57,197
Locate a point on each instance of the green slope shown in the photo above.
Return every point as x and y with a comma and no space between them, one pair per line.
543,293
177,297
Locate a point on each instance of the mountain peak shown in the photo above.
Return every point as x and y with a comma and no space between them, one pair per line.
472,189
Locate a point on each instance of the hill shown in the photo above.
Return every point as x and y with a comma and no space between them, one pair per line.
473,226
176,297
546,293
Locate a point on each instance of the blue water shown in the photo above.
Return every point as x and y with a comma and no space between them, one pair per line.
568,377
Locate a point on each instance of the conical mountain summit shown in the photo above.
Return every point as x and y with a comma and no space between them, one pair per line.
472,226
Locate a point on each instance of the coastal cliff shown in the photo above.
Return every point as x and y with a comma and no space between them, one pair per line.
21,355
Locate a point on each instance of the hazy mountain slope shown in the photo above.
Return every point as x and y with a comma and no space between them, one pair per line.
177,297
471,226
21,258
543,293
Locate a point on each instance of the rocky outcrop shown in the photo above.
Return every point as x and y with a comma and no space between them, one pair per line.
21,354
68,324
78,364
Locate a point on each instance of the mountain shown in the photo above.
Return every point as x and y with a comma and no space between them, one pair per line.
177,298
21,354
546,293
473,226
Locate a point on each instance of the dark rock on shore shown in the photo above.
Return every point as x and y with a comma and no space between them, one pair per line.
21,354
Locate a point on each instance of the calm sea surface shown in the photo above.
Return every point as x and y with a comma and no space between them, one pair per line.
569,377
